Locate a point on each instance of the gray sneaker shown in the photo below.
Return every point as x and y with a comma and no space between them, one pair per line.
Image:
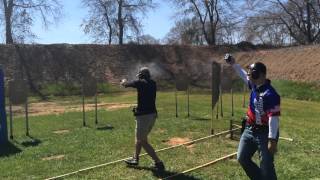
132,161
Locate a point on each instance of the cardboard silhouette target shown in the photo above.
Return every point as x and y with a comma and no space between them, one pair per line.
226,78
3,116
90,89
18,91
89,86
18,95
215,85
215,89
182,84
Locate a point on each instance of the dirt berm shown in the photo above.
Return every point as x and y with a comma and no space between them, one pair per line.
64,62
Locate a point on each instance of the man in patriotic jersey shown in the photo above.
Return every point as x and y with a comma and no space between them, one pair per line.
262,123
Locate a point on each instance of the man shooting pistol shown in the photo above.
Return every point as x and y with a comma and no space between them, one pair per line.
146,114
262,122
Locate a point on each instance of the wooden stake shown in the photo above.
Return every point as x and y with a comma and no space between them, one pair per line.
96,108
27,118
11,120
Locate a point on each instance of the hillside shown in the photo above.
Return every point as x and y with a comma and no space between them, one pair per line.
295,63
64,62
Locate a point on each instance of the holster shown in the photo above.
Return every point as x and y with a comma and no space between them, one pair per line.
243,124
134,110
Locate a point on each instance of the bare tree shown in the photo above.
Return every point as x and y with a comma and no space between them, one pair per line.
210,13
301,18
147,39
101,23
111,20
19,15
185,31
262,29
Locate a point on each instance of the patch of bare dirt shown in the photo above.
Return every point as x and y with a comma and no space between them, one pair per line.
57,157
178,141
115,106
46,108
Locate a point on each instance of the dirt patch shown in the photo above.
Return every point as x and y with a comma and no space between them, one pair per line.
178,141
57,157
115,106
63,131
46,108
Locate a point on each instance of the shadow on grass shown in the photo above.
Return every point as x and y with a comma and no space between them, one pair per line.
8,149
107,127
165,174
199,118
31,143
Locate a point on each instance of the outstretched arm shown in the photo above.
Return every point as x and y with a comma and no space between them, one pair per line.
126,83
241,72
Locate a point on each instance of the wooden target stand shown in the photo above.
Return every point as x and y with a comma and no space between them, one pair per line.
215,91
3,116
89,89
182,84
18,95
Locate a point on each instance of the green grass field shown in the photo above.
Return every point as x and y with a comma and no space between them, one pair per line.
83,147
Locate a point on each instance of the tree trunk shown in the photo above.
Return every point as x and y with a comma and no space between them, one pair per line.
309,26
110,29
9,39
108,21
212,10
120,21
110,37
212,31
8,8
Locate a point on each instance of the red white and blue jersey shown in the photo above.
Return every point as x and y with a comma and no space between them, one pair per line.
264,103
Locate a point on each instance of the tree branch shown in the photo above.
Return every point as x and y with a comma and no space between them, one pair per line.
292,17
290,30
